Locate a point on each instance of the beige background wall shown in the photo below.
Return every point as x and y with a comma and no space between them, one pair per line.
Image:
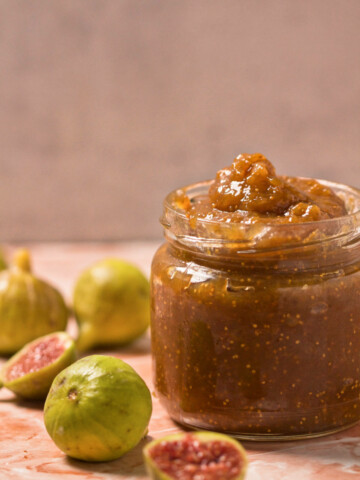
106,105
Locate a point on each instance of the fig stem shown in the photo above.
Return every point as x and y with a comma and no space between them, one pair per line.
22,260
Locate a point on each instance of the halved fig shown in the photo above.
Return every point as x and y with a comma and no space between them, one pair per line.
195,456
30,372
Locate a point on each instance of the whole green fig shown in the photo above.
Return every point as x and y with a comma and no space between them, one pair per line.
97,409
111,304
29,307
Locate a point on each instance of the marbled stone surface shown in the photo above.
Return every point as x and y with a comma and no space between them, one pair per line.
28,453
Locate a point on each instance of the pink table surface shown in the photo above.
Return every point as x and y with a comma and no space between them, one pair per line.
27,452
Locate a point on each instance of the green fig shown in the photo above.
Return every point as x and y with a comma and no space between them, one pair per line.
31,371
191,456
111,304
3,264
29,307
97,409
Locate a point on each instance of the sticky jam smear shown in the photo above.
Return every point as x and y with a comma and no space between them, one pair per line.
36,357
191,459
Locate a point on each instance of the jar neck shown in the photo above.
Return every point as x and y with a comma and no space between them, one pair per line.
324,256
325,245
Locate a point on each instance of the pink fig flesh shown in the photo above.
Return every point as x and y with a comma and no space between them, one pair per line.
189,458
38,355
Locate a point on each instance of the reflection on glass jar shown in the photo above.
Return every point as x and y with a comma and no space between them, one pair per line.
256,328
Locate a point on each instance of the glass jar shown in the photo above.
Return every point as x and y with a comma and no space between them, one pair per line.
256,328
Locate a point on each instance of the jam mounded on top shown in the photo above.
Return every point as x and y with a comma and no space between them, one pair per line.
250,191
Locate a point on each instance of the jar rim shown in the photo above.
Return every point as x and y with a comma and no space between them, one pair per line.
250,235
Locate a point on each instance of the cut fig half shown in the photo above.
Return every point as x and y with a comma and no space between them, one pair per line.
196,456
30,372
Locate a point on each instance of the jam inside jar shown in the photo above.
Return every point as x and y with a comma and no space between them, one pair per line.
256,326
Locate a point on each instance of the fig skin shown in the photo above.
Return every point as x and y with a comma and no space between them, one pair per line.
29,307
3,264
36,385
97,409
203,437
111,304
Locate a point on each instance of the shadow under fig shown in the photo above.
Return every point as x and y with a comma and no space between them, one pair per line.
132,463
23,403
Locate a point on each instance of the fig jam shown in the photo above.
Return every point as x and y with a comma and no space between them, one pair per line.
250,190
256,304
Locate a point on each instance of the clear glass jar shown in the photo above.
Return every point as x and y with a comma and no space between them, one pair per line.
256,328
